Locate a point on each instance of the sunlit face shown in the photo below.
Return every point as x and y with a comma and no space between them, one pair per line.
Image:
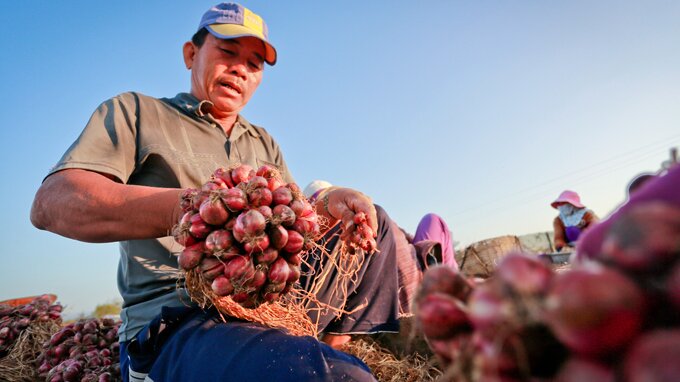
225,72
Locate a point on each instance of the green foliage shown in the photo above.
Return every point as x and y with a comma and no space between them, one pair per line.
108,309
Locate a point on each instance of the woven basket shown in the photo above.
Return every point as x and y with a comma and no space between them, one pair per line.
479,259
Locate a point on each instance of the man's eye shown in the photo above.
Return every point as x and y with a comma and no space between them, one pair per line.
227,51
254,65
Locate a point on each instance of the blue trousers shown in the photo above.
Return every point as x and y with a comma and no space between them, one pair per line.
188,344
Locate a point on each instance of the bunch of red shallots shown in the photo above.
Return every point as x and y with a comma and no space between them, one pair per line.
15,319
245,232
86,351
614,319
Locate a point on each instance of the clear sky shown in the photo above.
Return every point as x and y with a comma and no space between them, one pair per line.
480,111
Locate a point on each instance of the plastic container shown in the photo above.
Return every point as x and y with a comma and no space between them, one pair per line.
26,300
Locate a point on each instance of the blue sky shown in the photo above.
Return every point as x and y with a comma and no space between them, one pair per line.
482,112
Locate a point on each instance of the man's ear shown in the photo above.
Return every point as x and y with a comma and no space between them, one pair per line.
189,51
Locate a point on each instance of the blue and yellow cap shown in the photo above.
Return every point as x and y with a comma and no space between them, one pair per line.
231,20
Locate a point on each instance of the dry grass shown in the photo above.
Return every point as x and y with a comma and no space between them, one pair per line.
386,367
20,363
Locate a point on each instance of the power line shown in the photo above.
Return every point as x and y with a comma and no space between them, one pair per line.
541,194
665,144
588,170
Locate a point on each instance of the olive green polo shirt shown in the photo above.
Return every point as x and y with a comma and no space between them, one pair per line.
168,142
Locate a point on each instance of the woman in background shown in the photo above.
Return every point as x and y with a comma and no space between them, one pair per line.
572,220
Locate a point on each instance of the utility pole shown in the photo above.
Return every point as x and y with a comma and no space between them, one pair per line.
672,161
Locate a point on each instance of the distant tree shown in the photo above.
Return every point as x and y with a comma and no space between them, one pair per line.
108,309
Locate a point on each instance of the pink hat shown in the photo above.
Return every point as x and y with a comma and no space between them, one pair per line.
568,197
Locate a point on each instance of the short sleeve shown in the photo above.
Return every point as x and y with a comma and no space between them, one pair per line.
107,143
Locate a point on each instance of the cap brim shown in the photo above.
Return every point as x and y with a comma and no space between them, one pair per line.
561,201
229,31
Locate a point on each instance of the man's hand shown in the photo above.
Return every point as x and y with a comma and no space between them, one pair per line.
338,203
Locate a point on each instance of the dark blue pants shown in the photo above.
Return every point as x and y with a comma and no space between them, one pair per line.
185,344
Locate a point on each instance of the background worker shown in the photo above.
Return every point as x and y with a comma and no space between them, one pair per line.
572,220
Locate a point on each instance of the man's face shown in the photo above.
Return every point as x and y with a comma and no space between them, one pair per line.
225,72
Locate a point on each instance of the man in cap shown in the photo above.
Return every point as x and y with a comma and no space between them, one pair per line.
121,181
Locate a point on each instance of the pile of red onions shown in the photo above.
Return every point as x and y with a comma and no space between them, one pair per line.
16,319
617,318
86,350
245,232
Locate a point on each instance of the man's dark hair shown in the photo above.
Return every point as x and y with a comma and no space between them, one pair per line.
199,37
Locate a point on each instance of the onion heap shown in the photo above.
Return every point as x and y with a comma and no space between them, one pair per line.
615,318
16,319
245,231
85,351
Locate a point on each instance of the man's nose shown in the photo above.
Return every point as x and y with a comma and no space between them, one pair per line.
239,69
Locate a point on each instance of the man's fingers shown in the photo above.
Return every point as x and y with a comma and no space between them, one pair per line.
347,219
365,205
345,204
372,219
362,203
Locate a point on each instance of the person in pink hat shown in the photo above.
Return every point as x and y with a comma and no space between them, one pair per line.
572,220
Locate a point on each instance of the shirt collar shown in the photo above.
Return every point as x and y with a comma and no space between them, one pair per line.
192,106
188,103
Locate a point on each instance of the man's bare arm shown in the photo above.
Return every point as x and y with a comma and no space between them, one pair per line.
92,207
